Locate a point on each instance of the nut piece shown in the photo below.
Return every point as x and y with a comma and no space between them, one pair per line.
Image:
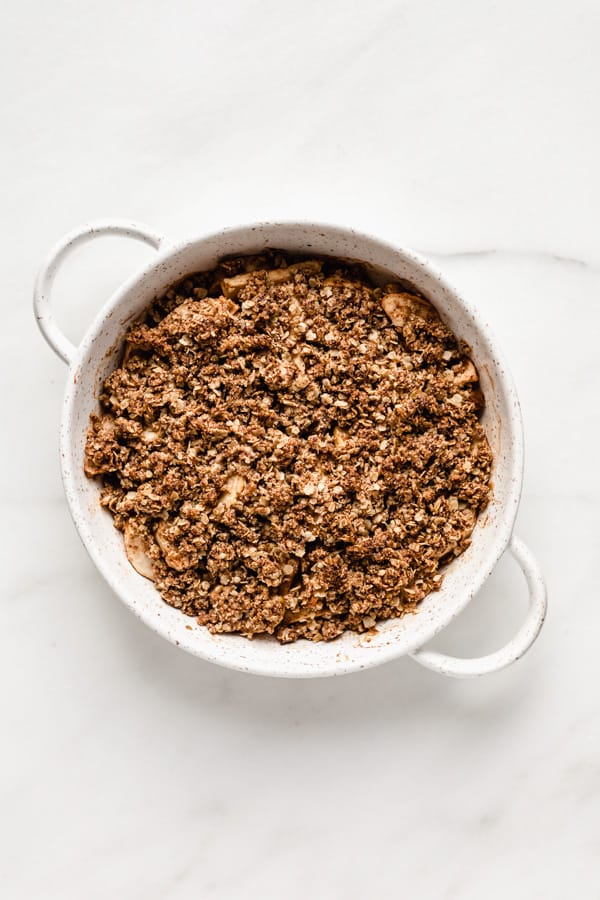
232,488
399,308
136,550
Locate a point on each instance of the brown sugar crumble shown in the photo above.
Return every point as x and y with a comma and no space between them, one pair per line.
289,449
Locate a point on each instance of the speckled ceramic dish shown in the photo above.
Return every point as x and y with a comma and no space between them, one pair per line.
99,352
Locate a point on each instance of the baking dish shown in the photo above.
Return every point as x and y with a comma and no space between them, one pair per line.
99,352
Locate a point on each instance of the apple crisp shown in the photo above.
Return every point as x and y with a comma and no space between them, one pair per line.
289,449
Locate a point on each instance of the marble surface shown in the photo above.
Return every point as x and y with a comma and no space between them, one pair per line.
468,130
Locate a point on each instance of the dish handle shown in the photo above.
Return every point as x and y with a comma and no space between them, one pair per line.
517,646
61,345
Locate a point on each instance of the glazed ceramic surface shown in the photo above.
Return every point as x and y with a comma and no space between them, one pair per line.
99,353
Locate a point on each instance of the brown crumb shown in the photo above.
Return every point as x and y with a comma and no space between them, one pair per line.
289,449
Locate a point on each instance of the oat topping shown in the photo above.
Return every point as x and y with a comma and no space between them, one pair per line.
289,449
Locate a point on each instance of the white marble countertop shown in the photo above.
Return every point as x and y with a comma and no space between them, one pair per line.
468,130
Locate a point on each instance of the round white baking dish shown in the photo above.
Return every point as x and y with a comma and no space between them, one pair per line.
99,352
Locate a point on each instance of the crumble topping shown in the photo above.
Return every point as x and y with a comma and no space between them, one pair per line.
291,450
